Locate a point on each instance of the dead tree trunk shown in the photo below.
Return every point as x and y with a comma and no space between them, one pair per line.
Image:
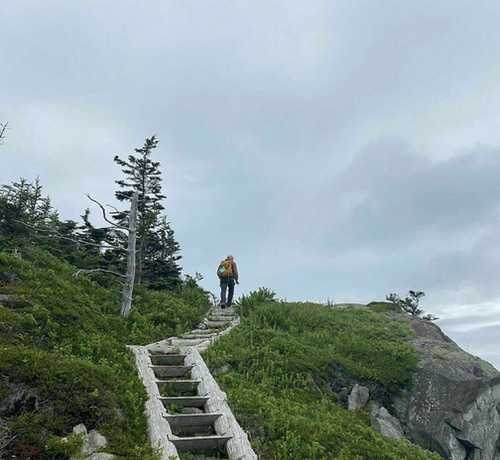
128,287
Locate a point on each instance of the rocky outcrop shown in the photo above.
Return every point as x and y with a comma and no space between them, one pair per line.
453,407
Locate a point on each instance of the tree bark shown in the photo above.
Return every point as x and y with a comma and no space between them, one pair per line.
128,287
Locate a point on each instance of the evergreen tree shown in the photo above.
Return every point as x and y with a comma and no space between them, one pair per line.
162,268
23,201
155,238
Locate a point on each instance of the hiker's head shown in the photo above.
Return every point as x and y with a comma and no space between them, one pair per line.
229,257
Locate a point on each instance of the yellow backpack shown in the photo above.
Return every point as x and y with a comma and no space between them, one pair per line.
225,269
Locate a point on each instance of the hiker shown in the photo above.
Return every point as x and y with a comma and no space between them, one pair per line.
228,275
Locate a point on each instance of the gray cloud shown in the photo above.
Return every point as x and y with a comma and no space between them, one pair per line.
343,149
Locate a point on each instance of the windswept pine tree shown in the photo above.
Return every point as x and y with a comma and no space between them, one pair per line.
157,256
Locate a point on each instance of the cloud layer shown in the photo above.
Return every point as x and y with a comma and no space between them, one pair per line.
339,149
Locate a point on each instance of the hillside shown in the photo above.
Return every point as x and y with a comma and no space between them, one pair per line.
64,360
279,368
289,368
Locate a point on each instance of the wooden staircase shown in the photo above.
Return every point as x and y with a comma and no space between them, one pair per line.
186,409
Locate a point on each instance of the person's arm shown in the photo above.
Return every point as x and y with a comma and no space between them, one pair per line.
235,272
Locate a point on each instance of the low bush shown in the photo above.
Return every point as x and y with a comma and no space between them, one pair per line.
281,361
65,343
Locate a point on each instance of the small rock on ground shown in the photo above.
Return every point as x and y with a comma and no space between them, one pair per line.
386,424
358,398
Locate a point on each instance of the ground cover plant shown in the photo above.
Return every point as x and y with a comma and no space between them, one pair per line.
281,360
63,348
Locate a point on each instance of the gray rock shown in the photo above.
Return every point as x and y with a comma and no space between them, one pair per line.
101,456
94,442
453,407
80,429
386,424
358,397
221,370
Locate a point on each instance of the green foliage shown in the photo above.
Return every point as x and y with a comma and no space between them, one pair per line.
410,304
64,447
281,359
247,302
64,340
158,251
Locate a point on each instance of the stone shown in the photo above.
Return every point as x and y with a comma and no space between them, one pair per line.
80,429
358,398
95,441
101,456
221,370
386,424
453,404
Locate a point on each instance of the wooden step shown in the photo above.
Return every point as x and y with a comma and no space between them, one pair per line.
167,359
222,312
184,401
178,420
221,318
164,372
217,323
204,331
193,430
180,342
198,336
178,385
199,443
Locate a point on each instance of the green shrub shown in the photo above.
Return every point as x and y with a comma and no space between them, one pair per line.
281,360
247,302
66,342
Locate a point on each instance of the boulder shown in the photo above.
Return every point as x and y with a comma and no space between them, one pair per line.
94,442
80,429
358,398
453,407
386,424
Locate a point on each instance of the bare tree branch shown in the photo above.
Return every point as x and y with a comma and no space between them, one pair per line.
56,234
3,130
93,270
113,208
104,215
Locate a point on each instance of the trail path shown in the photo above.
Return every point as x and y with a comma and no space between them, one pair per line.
186,410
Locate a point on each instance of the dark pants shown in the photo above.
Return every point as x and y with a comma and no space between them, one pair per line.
226,286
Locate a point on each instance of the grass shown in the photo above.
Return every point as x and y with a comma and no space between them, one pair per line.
282,360
65,343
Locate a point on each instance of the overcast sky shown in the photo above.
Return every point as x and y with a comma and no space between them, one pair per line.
339,149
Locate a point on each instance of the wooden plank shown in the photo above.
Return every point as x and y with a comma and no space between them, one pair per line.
238,446
158,428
